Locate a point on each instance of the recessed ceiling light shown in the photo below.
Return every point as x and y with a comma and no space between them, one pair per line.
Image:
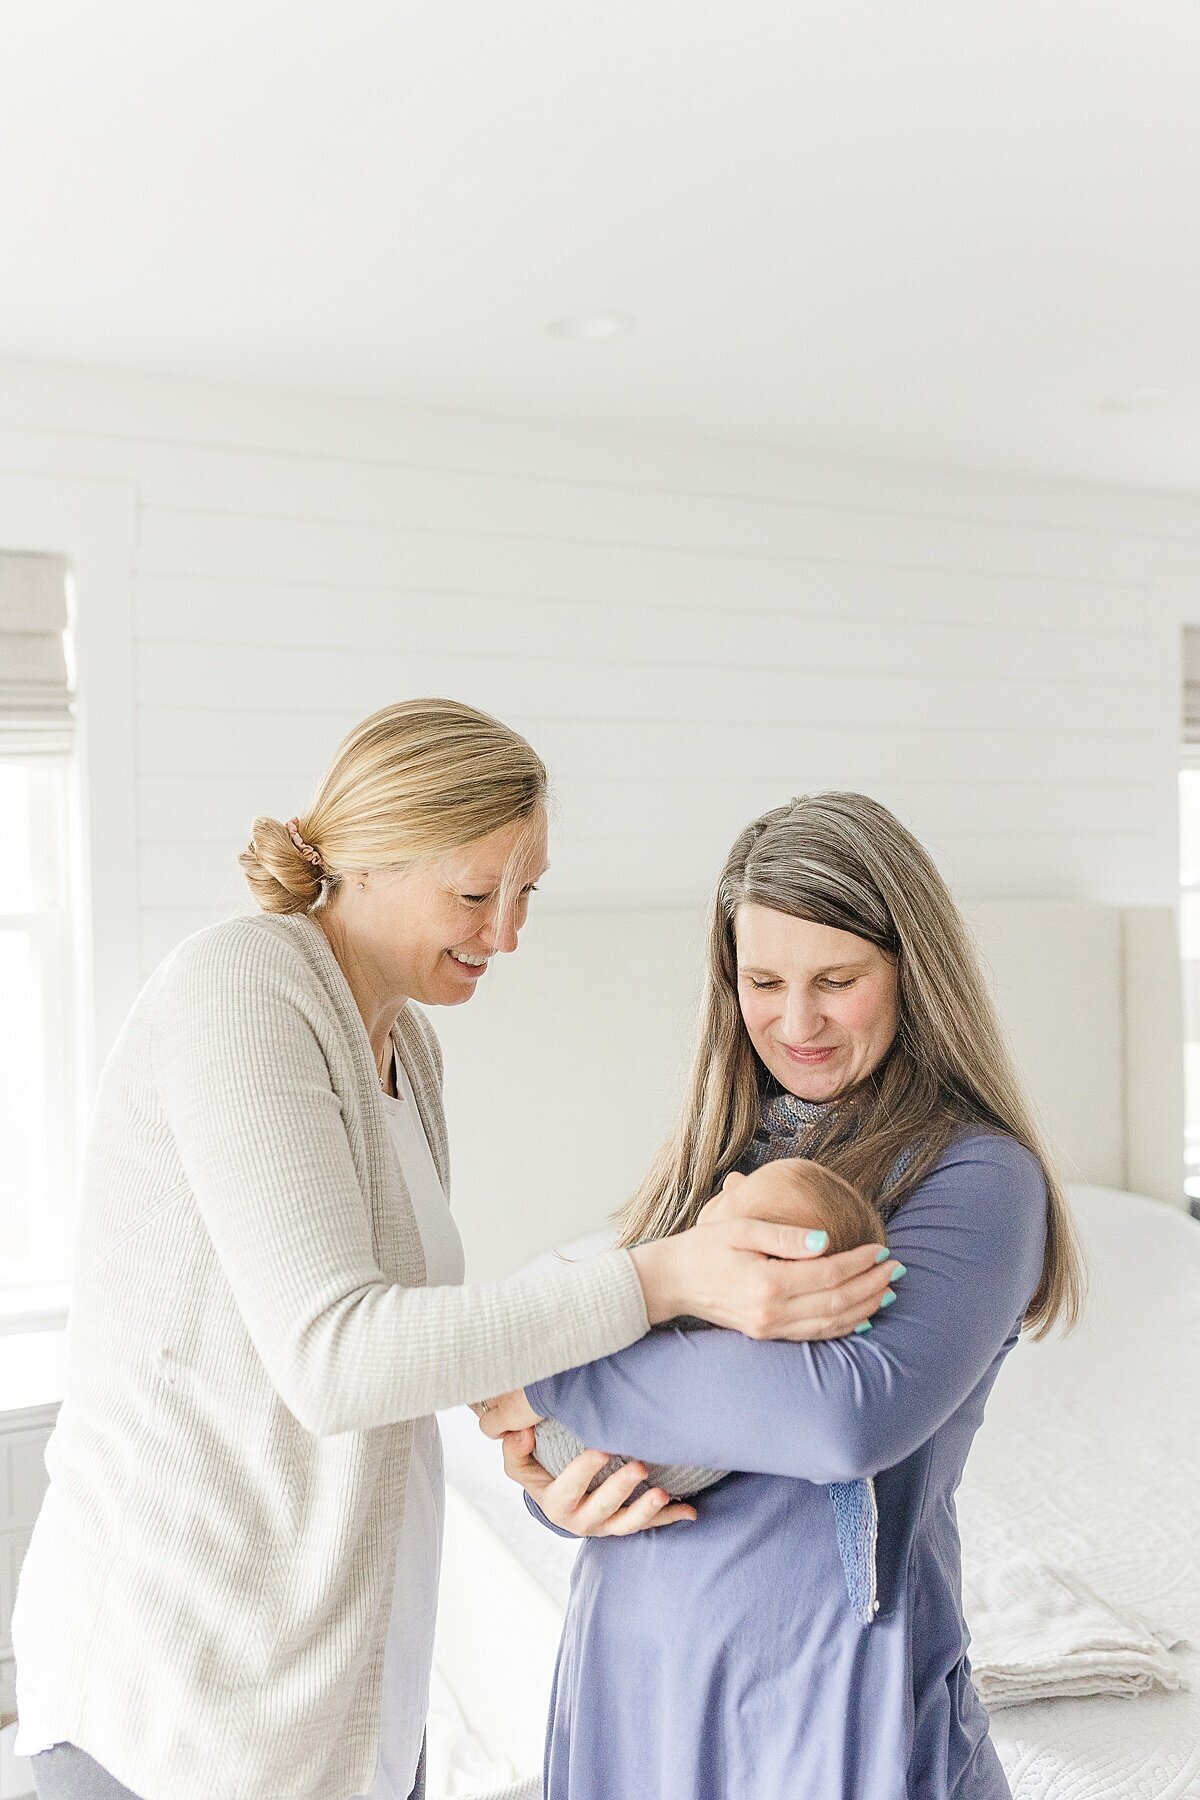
591,325
1136,400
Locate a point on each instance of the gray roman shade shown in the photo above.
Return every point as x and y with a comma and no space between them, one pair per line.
1191,685
35,691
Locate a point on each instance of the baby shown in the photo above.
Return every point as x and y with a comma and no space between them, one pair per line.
789,1191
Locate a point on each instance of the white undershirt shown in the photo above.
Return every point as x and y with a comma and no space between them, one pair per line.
409,1653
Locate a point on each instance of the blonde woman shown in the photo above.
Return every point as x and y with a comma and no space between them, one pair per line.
805,1637
231,1586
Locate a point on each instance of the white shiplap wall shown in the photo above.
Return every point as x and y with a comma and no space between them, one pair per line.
688,633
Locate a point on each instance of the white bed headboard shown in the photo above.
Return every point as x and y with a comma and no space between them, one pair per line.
564,1071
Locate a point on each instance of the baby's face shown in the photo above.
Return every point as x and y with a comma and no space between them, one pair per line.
772,1193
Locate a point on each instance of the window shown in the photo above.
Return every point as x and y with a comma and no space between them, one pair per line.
40,1103
38,1065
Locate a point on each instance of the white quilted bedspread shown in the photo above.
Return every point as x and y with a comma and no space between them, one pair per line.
1089,1460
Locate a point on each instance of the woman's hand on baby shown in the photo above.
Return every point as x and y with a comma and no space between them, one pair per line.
507,1412
763,1280
565,1501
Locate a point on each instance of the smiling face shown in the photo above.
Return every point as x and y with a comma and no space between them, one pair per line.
819,1005
429,932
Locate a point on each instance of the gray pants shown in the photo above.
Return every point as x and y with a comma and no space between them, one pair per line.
66,1773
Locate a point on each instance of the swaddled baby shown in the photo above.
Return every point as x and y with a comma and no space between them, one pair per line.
789,1191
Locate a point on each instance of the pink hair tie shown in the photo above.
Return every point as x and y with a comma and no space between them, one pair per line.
306,850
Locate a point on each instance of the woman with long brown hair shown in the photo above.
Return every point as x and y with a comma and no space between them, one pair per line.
804,1638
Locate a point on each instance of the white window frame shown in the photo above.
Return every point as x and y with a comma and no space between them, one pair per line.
40,1284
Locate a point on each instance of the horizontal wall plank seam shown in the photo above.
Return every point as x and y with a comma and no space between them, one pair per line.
905,620
120,484
963,572
643,546
660,490
626,721
375,651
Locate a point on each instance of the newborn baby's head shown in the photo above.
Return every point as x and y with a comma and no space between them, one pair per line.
794,1191
791,1191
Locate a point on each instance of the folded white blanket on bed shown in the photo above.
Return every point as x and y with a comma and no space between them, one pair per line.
1040,1633
528,1789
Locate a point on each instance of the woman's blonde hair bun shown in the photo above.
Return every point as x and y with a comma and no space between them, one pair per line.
280,877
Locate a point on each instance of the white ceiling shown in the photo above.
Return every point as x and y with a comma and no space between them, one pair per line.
953,231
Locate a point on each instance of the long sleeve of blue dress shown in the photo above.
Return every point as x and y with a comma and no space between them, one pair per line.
971,1239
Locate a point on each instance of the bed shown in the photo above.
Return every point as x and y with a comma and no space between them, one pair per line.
1087,1460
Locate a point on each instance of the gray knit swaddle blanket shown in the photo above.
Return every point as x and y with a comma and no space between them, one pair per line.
556,1447
784,1120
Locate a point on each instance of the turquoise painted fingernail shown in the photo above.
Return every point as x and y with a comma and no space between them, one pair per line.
882,1254
888,1297
897,1272
815,1240
865,1326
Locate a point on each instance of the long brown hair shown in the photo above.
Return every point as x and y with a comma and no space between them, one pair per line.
843,860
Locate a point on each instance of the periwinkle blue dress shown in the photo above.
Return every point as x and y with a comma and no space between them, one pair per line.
721,1660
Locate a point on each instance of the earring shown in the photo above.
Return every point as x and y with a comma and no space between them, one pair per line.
362,884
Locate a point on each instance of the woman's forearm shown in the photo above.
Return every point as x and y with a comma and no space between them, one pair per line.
391,1353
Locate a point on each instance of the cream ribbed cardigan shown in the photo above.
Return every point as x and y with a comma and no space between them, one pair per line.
204,1604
